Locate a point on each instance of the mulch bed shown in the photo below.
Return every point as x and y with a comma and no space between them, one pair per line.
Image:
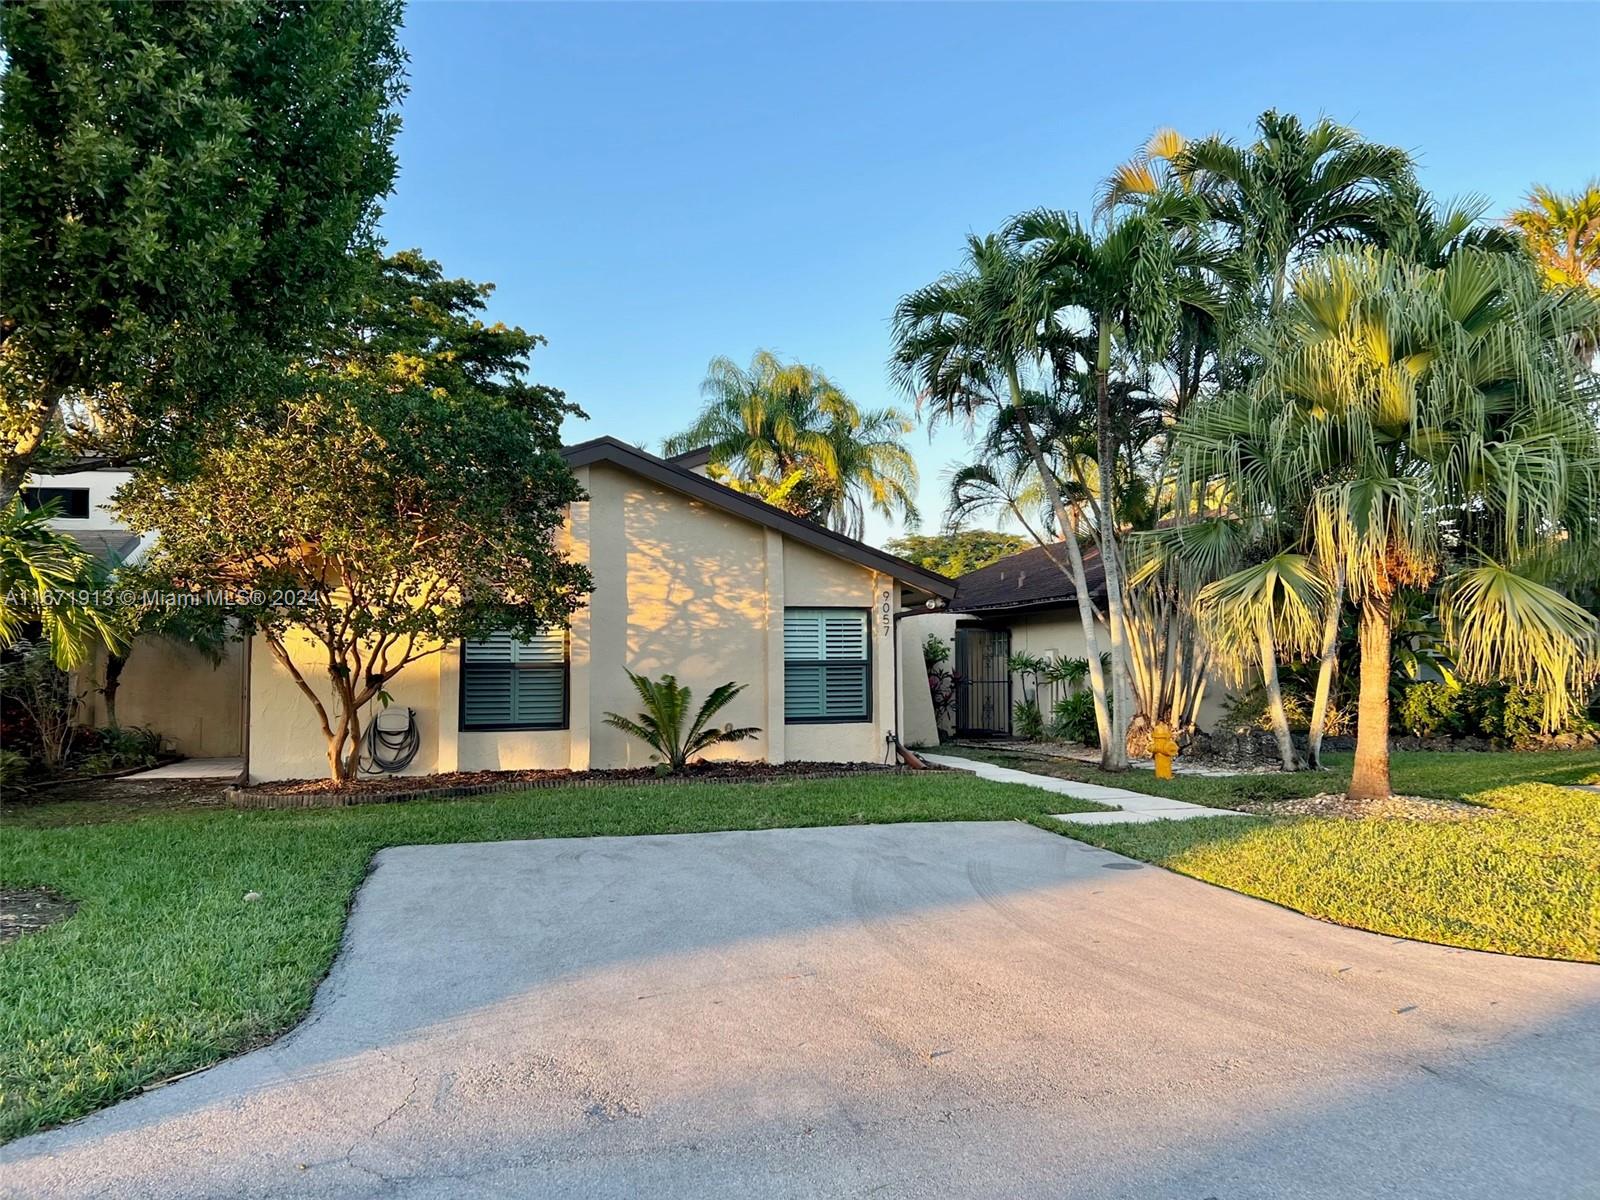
24,910
1395,808
298,793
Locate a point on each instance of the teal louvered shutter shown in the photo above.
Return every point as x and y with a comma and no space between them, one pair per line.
827,665
512,684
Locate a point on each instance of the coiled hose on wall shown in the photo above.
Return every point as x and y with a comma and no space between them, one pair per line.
391,749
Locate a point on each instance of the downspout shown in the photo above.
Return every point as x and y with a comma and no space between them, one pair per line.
906,756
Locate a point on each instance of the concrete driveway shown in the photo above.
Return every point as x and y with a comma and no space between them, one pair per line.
979,1010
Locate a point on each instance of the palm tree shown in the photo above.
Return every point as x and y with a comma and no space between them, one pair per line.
1130,283
963,347
1562,233
44,575
1294,190
661,725
1438,431
786,433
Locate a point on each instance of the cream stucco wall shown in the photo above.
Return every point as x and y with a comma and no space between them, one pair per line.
170,687
1052,633
680,586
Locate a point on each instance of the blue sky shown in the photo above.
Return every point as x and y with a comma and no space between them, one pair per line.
652,186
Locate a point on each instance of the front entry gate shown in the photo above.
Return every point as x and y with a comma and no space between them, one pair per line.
983,690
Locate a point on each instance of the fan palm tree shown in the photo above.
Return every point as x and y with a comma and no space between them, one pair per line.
1293,190
786,433
1436,428
1562,233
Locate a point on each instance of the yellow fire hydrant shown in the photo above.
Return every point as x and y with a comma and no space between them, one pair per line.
1163,748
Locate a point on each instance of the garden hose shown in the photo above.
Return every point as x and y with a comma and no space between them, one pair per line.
392,748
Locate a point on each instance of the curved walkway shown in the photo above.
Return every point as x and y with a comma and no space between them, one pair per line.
1127,808
942,1010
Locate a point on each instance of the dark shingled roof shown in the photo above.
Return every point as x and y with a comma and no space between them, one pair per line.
1026,579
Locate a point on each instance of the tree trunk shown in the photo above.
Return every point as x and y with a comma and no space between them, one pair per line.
1330,660
1080,584
1370,778
1113,755
1269,678
114,665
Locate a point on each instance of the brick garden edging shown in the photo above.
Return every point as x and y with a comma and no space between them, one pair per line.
238,797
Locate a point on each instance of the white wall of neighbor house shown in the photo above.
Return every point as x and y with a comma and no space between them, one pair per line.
101,486
680,586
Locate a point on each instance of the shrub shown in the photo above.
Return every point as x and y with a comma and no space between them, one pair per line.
1074,719
117,747
1026,720
935,651
44,693
13,766
1433,710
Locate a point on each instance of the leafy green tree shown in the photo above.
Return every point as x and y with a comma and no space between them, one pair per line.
407,494
955,554
786,433
181,187
666,709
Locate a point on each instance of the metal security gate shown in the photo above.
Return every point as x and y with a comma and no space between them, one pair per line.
983,693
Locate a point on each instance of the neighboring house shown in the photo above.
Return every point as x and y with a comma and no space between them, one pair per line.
690,578
197,706
1022,604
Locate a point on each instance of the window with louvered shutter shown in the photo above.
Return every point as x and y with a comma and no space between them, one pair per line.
827,667
508,683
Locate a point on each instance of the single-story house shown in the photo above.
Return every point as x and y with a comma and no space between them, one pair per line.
691,577
1023,604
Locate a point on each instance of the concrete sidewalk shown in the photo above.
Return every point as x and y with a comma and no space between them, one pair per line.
1128,808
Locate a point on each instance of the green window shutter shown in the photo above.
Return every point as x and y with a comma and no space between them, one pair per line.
512,684
827,666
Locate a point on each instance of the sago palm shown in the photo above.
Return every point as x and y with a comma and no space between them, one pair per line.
661,724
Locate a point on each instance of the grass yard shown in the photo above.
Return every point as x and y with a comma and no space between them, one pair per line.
1524,879
165,967
1439,775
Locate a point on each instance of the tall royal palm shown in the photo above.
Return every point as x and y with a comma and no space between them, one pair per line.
1294,190
1442,435
1127,285
785,432
963,347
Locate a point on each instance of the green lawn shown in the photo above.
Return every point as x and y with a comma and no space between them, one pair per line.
1415,772
165,967
1524,880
